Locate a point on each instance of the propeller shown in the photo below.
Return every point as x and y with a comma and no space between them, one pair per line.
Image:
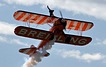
62,20
61,14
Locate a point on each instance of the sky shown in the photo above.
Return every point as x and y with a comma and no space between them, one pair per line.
61,55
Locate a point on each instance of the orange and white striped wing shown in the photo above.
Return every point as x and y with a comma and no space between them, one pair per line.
28,51
78,25
25,16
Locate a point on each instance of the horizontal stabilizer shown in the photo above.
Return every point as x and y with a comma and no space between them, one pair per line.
28,51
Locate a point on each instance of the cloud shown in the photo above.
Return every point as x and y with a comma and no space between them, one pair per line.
78,55
3,39
6,28
21,2
94,8
92,57
100,41
17,41
12,41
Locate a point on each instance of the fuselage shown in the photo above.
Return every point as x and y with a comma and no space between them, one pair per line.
57,28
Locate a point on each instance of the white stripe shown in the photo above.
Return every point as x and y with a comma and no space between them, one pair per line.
68,23
88,26
17,15
25,16
81,26
38,19
31,18
74,25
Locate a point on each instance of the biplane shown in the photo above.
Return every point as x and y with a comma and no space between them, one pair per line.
56,33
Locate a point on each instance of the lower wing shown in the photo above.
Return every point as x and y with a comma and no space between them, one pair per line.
73,39
46,35
33,33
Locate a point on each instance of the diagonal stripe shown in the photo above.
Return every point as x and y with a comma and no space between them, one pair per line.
28,17
81,26
37,19
17,14
68,23
51,20
85,26
31,20
89,26
71,24
24,16
42,20
19,17
74,25
78,26
47,20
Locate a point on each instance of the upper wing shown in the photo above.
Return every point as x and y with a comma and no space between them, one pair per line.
28,51
42,19
78,25
33,17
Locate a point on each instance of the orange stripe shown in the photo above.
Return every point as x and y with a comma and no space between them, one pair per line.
27,18
22,15
36,18
50,19
91,26
78,26
42,20
85,26
15,14
71,24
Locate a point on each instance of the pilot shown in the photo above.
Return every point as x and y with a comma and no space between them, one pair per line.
59,26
